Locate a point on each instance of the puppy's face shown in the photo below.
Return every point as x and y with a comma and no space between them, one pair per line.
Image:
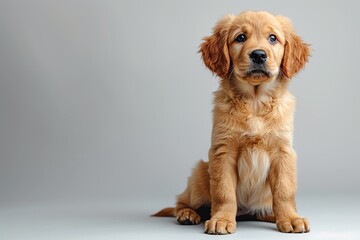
254,47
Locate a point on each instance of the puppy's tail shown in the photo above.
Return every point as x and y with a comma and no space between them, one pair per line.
166,212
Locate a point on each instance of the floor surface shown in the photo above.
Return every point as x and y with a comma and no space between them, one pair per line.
331,217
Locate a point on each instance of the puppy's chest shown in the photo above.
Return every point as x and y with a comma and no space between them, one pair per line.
254,162
253,126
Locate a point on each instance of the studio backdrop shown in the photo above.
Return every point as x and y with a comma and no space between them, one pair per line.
110,99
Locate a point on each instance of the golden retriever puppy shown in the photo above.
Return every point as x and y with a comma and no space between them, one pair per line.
252,163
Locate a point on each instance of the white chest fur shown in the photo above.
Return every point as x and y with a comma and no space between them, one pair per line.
253,192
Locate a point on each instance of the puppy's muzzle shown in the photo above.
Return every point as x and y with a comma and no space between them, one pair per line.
257,67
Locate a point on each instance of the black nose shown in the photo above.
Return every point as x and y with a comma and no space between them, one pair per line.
258,56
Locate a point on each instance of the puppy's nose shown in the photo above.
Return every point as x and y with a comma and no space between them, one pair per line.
258,56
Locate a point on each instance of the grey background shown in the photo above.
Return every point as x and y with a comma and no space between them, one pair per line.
110,100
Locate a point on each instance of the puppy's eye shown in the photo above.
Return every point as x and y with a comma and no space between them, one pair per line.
241,38
272,39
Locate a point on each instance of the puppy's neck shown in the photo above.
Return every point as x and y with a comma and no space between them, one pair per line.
255,95
246,90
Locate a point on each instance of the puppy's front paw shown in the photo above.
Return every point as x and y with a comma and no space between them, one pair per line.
220,226
293,225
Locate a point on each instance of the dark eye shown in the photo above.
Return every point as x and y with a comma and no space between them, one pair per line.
241,38
272,39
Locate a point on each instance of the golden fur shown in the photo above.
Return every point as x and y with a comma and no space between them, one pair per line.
252,164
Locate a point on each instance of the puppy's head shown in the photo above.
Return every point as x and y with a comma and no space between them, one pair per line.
254,47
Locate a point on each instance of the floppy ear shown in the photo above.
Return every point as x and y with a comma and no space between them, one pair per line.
214,50
296,52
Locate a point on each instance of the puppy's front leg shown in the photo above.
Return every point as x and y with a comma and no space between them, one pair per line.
223,178
282,177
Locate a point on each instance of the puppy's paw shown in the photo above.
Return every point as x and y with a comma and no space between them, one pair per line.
187,216
220,226
293,225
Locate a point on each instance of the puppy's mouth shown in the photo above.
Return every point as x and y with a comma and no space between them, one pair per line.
257,72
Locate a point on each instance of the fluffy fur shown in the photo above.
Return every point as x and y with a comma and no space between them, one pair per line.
252,164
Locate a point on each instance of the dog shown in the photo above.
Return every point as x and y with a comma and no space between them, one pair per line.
252,163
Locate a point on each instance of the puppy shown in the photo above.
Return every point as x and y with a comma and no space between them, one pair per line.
252,163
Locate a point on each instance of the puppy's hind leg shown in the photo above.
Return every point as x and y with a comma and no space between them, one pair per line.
186,215
196,195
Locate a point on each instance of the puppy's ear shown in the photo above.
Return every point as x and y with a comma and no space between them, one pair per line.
214,50
296,53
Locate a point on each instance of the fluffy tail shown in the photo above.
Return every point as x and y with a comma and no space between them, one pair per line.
166,212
